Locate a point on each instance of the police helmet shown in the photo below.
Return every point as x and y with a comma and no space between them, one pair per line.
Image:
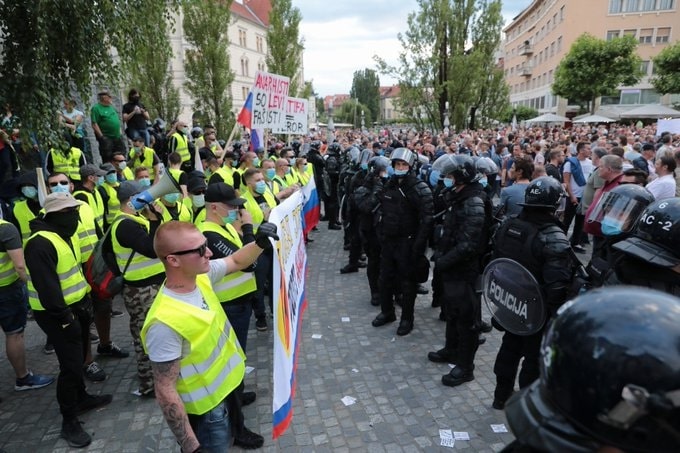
295,144
365,156
196,132
618,385
620,208
379,164
236,145
656,238
461,167
159,123
543,192
353,155
334,148
404,154
315,145
486,166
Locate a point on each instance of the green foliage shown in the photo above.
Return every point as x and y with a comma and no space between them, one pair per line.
149,71
522,111
596,67
285,46
667,68
52,49
350,112
207,68
437,65
366,89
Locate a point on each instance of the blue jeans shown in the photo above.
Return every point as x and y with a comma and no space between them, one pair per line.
239,318
212,429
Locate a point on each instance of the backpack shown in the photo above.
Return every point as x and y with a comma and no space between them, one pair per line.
101,270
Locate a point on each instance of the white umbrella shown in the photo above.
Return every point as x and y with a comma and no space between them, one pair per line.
548,118
651,111
594,119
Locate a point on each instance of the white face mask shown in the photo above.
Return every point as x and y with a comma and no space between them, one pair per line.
198,200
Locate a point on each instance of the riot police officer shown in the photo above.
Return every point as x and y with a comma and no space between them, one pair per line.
331,176
351,179
464,240
651,256
406,219
535,240
609,378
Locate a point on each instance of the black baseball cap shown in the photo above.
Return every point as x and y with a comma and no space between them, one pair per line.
223,193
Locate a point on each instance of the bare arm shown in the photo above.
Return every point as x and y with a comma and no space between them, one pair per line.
17,257
97,131
566,176
242,258
165,376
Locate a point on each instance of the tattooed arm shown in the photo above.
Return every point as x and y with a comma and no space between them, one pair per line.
165,379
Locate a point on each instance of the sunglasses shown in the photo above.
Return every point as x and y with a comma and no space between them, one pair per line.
200,250
58,183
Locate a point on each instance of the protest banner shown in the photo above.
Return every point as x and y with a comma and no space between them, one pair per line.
270,92
296,119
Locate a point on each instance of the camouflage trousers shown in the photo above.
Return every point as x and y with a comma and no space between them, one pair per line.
137,302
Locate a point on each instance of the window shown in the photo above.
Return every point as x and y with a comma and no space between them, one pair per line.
562,13
666,4
611,34
631,6
644,67
244,67
259,43
615,6
244,92
630,97
554,22
552,49
261,66
646,35
649,97
662,35
629,32
242,38
648,5
559,44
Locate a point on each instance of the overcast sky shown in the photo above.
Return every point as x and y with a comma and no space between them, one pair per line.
341,36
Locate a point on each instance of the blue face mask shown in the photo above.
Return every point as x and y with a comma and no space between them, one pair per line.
231,217
145,182
234,164
398,173
448,183
256,162
381,152
291,161
100,181
288,170
270,173
364,166
29,192
60,189
171,197
111,178
484,181
434,177
260,187
610,227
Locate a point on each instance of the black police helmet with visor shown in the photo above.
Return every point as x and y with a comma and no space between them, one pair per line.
335,148
315,145
618,210
378,164
461,167
656,238
610,376
543,192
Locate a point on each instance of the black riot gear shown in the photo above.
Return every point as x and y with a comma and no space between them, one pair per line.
334,148
610,376
295,145
315,145
404,154
543,192
462,168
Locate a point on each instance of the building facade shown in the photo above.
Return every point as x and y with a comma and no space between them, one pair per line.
540,36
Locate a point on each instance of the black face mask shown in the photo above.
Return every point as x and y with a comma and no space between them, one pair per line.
66,223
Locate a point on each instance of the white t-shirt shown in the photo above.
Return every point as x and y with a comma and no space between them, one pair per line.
587,168
663,187
164,343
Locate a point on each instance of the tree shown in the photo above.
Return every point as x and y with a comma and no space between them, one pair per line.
350,112
53,49
595,67
208,73
285,46
149,72
366,90
437,64
521,111
667,68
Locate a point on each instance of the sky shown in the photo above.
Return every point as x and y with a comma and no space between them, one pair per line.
342,36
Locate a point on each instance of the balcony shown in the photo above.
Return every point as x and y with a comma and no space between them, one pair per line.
525,70
526,49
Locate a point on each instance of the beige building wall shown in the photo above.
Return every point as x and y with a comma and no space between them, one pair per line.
542,34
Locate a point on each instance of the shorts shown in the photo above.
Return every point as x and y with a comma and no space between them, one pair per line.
13,307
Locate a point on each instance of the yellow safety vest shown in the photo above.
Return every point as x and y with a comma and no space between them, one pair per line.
146,161
236,284
215,365
8,274
141,267
254,208
182,147
69,165
23,215
291,178
226,174
86,235
175,173
184,213
71,279
113,204
95,201
127,174
301,176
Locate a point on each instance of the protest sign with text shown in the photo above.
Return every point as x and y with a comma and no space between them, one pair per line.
270,93
295,121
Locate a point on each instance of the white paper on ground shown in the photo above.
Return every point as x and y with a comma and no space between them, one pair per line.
499,428
461,435
446,438
348,400
249,369
345,319
317,336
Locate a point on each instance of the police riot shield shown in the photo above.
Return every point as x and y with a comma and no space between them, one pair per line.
513,296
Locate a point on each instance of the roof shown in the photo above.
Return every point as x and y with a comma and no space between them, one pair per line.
256,11
390,92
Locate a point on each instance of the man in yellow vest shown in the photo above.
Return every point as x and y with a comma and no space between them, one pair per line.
13,307
174,170
109,194
259,203
142,156
196,358
27,209
123,172
219,174
58,295
132,241
274,183
179,143
225,216
65,158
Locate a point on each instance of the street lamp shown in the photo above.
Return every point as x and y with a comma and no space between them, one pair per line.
331,127
446,118
363,126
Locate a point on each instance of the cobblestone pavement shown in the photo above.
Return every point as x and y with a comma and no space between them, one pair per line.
400,402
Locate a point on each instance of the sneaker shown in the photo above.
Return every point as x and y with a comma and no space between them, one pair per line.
248,440
116,314
48,348
74,434
112,350
95,373
91,402
33,381
94,338
261,324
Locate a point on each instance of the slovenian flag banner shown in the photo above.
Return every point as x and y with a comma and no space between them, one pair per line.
289,298
245,116
311,208
256,139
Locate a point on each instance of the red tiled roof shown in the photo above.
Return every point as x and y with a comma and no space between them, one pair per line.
259,9
390,92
